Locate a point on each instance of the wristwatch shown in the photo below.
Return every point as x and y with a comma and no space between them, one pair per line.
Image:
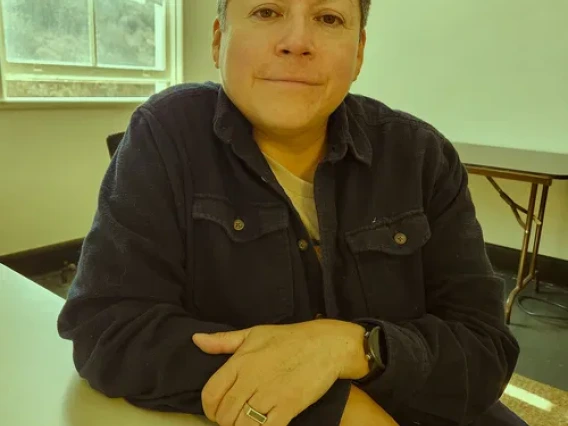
374,347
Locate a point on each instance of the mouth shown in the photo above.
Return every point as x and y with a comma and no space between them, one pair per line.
292,82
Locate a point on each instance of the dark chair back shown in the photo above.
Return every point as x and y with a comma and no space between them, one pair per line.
113,141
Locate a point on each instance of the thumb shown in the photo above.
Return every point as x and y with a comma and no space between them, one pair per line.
224,342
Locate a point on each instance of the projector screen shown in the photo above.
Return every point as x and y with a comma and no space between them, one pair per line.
492,72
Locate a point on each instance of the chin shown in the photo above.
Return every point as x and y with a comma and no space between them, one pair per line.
285,117
285,123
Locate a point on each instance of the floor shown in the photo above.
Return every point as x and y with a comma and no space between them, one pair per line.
56,282
544,343
541,376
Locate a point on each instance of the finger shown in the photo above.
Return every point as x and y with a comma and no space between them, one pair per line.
226,342
264,407
280,417
215,389
234,401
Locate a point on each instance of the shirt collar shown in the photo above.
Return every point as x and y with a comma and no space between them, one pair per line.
344,132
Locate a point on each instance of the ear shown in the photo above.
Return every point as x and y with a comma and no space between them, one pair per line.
216,44
360,53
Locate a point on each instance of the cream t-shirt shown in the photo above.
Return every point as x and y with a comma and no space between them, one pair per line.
301,193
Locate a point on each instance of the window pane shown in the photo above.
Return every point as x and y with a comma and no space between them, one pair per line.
79,89
130,33
47,31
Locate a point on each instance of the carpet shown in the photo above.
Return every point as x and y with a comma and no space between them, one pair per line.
536,403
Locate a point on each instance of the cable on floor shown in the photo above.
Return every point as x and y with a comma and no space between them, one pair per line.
556,289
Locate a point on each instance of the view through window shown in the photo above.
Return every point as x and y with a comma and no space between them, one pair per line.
87,48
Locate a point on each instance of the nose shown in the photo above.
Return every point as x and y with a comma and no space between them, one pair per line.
297,39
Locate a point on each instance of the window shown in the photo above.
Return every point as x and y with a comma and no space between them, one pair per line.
88,50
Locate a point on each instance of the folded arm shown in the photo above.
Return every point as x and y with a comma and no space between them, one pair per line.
361,410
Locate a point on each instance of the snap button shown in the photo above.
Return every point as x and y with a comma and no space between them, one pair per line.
303,245
400,239
239,225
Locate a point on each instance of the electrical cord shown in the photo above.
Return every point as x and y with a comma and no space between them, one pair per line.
557,289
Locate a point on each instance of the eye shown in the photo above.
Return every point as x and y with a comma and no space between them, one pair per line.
265,13
331,20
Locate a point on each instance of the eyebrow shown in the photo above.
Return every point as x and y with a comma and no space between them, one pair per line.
319,2
322,2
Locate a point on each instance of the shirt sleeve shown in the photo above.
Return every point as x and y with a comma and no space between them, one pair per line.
451,365
132,336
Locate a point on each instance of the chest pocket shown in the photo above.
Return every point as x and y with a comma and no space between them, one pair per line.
388,260
242,263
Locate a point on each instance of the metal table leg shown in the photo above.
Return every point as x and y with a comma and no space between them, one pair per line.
521,281
537,237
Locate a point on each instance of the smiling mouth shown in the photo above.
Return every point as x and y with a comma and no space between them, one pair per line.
292,82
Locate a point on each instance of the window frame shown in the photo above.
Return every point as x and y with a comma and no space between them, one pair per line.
173,72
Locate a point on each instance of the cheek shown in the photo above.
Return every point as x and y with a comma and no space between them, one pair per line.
344,74
343,62
239,58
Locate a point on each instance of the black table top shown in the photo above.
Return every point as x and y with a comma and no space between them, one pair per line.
550,164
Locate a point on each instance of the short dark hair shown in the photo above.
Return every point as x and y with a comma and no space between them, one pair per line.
365,6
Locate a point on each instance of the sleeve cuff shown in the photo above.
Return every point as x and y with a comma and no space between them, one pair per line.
406,365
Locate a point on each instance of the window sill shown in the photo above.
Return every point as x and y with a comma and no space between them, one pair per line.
41,104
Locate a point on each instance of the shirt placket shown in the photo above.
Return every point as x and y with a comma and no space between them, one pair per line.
324,193
310,257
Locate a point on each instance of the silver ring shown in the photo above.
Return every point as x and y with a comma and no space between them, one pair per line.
255,415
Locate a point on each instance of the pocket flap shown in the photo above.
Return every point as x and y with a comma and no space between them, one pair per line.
242,226
402,235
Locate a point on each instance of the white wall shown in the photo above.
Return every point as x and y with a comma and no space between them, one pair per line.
51,165
491,72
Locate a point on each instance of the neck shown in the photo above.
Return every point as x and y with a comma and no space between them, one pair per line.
300,152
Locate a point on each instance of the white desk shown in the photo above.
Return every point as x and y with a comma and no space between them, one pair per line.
39,384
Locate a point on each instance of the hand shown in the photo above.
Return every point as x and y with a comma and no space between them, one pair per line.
361,410
279,370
